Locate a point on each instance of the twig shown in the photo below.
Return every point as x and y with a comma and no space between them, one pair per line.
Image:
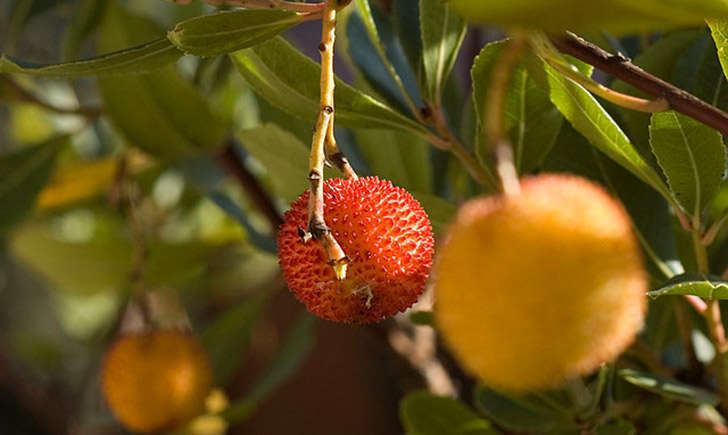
335,156
317,228
623,69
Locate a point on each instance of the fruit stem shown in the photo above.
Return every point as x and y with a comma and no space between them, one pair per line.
334,154
618,98
494,122
448,142
317,227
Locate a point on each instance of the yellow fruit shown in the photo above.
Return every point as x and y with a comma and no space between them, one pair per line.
621,16
536,288
156,381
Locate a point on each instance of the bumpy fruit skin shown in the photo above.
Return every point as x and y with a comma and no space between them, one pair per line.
540,287
156,381
387,237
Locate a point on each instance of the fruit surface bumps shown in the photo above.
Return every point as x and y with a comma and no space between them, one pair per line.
536,288
383,231
156,381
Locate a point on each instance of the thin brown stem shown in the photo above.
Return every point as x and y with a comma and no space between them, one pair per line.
623,69
336,156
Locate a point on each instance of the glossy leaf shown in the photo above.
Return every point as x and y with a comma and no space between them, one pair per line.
590,119
532,121
704,286
522,414
398,157
692,157
619,16
142,58
159,112
423,413
283,155
290,81
23,174
228,31
442,31
669,388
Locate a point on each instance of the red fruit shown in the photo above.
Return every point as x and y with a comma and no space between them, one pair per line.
387,237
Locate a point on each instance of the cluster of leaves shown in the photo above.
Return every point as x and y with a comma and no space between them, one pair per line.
228,77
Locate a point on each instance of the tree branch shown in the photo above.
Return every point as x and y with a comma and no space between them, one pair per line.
623,69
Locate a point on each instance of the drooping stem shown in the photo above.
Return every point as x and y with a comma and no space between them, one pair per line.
334,154
317,227
494,122
618,98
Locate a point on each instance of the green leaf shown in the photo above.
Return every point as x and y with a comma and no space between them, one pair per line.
704,286
290,81
398,157
660,59
618,16
228,31
590,119
532,121
298,345
142,58
719,30
23,174
669,388
227,338
159,112
691,155
619,426
283,155
442,32
440,211
521,414
422,318
423,413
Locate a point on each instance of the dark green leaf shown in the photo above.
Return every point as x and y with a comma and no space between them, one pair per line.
442,32
290,80
282,154
142,58
590,119
669,388
422,318
616,427
398,157
691,155
532,121
425,414
23,174
522,414
227,338
86,17
228,31
704,286
159,112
